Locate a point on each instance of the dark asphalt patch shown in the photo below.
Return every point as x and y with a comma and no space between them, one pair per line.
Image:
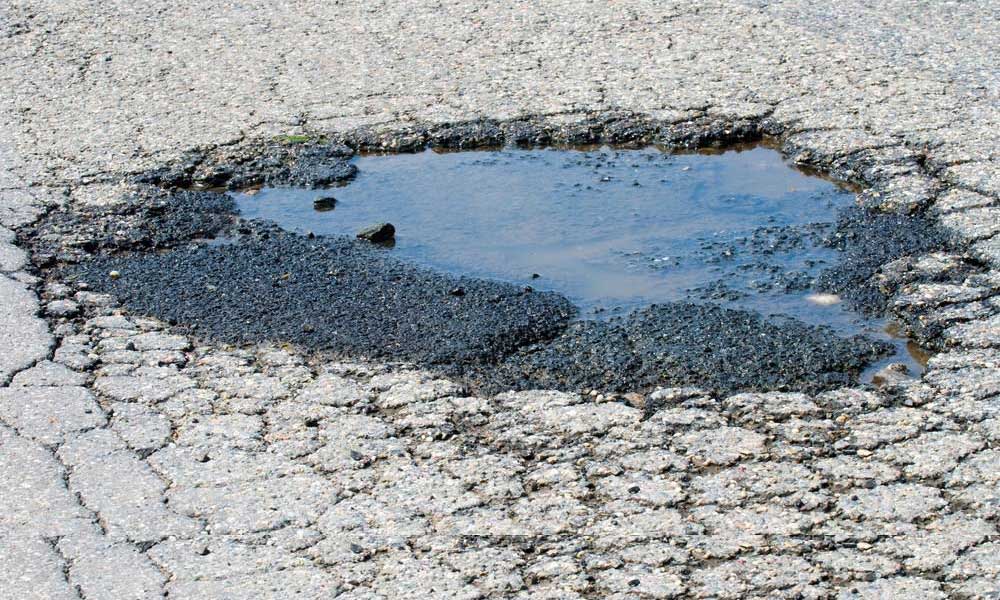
868,240
680,343
333,294
347,296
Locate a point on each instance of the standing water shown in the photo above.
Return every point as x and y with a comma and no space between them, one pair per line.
612,230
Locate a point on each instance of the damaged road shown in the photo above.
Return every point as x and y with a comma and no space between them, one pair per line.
261,284
149,463
342,296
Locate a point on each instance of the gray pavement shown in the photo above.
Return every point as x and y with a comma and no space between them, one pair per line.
138,464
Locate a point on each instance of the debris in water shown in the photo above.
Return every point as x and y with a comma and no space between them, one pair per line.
324,203
378,233
823,299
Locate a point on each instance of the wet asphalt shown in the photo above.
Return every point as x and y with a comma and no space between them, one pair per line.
868,240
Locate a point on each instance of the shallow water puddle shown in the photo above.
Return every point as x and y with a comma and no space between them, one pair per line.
611,229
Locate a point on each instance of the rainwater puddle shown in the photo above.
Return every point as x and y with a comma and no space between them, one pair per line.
611,229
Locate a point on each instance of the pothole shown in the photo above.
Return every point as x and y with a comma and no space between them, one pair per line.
613,230
586,268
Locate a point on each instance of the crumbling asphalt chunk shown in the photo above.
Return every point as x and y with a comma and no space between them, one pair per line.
303,163
150,218
609,127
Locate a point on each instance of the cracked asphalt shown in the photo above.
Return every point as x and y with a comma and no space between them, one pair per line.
140,463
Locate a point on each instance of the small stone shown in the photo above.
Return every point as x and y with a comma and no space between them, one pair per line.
324,203
114,274
378,233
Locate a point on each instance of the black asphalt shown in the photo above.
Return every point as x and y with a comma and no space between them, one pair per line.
354,298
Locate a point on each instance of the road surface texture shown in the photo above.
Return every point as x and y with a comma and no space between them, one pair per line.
138,463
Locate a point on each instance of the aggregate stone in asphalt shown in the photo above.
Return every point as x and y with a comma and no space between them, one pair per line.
207,471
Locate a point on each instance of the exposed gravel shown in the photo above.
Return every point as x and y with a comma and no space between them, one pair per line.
870,240
678,344
333,294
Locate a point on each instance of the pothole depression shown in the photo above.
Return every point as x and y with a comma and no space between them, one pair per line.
587,267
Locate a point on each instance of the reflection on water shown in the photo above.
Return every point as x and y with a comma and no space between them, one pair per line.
611,229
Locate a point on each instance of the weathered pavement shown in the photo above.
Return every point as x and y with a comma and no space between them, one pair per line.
136,465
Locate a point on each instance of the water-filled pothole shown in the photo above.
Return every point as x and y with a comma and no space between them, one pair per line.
613,230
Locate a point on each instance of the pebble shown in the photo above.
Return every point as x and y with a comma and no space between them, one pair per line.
324,203
378,233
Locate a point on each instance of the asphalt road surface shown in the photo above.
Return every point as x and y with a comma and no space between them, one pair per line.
139,463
